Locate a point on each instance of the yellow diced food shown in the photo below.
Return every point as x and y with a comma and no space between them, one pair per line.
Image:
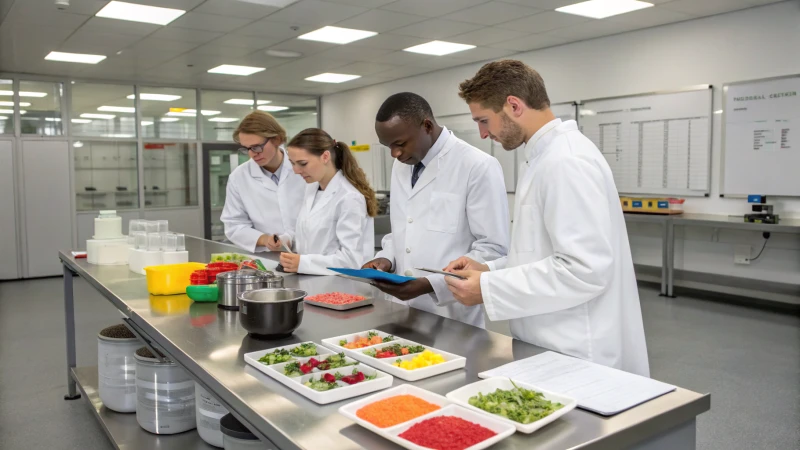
425,359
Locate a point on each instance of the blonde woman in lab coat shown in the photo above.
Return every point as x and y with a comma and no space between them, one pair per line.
263,195
335,227
568,282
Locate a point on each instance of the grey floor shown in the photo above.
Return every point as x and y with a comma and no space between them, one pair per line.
748,359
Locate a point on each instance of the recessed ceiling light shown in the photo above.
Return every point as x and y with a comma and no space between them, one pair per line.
12,104
22,111
81,121
6,111
271,108
439,48
3,117
146,123
283,53
719,111
169,119
114,135
77,144
98,116
245,101
230,69
74,57
332,78
52,119
121,109
156,97
600,9
182,114
25,94
205,112
336,35
223,119
139,13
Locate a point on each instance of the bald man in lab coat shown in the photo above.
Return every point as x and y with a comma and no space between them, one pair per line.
567,283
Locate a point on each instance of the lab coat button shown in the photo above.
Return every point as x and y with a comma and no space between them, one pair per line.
409,273
410,220
408,250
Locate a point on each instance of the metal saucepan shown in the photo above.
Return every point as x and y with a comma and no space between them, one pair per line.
271,313
231,284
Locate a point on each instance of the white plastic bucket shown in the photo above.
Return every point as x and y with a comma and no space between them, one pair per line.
116,372
208,411
164,396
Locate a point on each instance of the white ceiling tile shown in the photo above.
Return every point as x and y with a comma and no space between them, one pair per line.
367,68
209,22
402,72
482,54
705,7
39,41
436,29
315,12
185,5
232,40
404,59
532,42
362,3
5,6
650,17
487,36
546,4
390,42
305,47
186,35
350,53
103,25
590,30
278,30
542,22
762,2
380,21
34,12
97,43
221,50
433,8
236,8
153,43
84,7
298,70
492,13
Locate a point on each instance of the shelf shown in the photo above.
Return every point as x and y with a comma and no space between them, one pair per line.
106,168
122,429
106,192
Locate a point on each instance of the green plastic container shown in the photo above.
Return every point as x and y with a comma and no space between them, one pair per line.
203,292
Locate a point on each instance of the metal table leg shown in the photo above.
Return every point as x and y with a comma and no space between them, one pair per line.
664,252
670,257
69,317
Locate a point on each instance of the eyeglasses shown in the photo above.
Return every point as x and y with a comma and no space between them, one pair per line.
255,149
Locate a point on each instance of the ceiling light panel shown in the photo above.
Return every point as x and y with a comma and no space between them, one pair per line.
81,121
332,78
98,116
139,13
336,35
156,97
25,94
182,114
600,9
82,58
169,119
12,104
120,109
229,69
272,108
223,119
244,101
439,48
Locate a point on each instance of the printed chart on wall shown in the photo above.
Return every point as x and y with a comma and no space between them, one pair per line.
655,144
761,147
563,111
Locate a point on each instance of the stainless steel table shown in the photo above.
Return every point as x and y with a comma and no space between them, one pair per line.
667,245
209,344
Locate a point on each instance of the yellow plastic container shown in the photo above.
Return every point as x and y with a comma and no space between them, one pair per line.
170,279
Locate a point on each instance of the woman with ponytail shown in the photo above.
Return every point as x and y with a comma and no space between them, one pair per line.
335,227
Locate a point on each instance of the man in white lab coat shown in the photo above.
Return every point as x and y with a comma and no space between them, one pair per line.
568,282
448,199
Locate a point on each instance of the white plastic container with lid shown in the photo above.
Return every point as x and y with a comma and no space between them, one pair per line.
107,252
235,436
147,252
174,248
209,411
165,401
108,225
116,368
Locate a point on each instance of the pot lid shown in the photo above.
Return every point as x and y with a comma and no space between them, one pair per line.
244,276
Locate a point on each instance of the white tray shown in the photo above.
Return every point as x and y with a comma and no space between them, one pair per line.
502,429
346,391
280,366
452,361
462,395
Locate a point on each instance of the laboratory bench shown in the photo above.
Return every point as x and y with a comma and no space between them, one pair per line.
211,351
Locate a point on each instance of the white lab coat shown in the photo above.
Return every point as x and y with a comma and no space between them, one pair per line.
568,282
334,231
458,207
254,205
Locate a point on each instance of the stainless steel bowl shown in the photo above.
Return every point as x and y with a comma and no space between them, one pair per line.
271,313
231,284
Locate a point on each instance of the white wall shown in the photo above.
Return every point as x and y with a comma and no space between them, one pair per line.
749,44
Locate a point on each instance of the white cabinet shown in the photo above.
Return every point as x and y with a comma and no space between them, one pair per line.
9,263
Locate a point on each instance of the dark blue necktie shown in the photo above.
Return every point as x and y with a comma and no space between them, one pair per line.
417,172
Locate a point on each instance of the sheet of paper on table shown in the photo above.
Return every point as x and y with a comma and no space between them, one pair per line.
597,388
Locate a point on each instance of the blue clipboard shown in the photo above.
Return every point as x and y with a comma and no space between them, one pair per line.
372,274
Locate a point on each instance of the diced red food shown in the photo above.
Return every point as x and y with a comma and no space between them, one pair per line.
329,378
335,298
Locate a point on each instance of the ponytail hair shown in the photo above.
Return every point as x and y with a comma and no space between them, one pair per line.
317,142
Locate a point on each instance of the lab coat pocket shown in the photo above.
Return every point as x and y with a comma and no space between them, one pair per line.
444,213
524,228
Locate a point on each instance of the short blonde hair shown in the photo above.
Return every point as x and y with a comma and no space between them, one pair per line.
261,124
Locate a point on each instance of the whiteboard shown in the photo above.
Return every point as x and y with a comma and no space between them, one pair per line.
563,111
761,137
655,144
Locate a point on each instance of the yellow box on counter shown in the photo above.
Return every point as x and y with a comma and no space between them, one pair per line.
652,205
170,279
